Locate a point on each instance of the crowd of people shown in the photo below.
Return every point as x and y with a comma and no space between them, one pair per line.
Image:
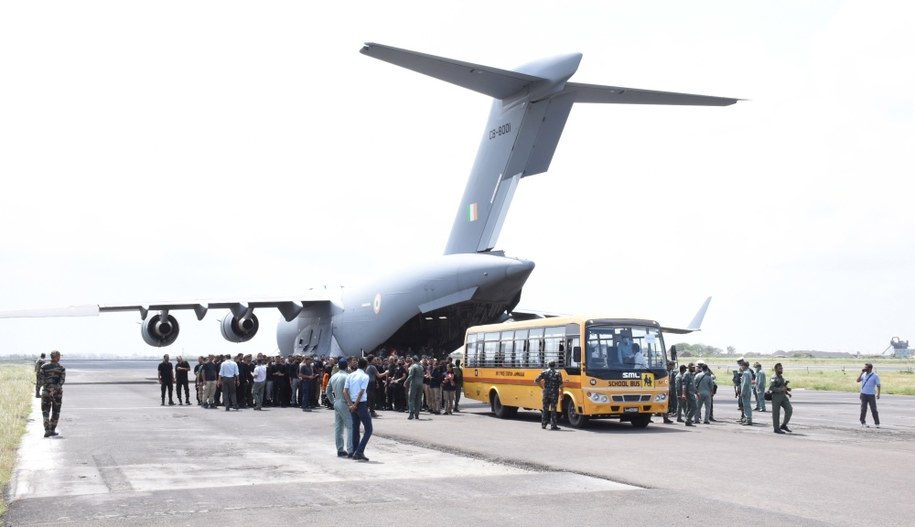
693,389
298,381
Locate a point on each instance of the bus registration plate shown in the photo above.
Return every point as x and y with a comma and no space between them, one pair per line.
631,410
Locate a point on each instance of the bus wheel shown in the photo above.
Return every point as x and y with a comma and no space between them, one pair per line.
498,409
641,420
575,419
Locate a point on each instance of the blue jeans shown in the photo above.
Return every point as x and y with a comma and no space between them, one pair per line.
361,415
306,390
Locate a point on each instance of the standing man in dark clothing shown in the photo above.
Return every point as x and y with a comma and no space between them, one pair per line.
550,380
240,383
458,383
166,379
280,383
249,381
306,383
688,394
198,380
51,378
38,364
372,371
209,374
181,370
397,374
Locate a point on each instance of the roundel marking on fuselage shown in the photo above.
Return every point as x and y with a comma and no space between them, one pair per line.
376,303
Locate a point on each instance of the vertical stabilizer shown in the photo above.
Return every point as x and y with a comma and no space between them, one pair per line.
525,123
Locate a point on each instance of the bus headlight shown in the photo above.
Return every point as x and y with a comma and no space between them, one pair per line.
598,398
660,397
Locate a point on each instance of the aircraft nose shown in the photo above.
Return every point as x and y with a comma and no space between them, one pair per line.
519,268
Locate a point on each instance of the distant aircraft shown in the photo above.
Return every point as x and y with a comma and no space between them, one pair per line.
433,303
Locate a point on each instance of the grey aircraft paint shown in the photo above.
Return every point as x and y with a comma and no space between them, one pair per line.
432,303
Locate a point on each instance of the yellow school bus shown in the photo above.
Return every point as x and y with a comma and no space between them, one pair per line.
612,368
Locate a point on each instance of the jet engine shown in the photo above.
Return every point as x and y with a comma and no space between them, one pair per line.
159,330
235,329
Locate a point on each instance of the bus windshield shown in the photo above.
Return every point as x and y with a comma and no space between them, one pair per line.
612,348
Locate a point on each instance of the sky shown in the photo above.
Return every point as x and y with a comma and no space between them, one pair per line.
174,150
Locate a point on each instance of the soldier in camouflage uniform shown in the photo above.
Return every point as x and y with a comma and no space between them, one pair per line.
38,364
551,381
672,389
51,378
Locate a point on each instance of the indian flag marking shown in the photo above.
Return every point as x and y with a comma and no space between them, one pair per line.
472,214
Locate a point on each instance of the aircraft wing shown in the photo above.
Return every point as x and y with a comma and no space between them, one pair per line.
289,309
695,324
593,93
494,82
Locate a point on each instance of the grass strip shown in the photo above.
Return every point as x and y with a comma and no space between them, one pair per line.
17,388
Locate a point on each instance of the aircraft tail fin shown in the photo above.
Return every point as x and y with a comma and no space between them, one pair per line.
695,324
525,123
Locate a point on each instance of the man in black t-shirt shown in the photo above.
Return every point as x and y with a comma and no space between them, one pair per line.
209,373
166,379
181,370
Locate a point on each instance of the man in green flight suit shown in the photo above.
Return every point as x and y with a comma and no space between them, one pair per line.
780,395
51,378
688,393
760,388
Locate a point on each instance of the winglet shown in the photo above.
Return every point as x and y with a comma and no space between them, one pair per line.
695,325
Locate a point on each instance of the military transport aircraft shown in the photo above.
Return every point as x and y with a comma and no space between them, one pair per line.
471,283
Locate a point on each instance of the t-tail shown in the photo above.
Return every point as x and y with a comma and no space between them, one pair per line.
525,123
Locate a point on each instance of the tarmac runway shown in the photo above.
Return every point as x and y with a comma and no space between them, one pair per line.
122,458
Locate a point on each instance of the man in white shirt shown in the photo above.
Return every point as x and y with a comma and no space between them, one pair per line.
260,383
354,392
228,374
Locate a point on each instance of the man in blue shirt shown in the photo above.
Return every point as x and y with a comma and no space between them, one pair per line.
870,392
356,394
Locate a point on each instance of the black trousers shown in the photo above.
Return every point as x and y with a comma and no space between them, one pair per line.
166,386
869,400
187,392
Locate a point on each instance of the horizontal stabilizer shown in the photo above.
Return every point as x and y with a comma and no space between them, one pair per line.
494,82
695,324
593,93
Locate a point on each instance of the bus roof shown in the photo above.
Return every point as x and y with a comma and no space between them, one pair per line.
561,321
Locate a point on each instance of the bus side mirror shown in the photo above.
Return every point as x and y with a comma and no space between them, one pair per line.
673,353
576,354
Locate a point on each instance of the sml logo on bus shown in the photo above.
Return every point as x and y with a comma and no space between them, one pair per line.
630,375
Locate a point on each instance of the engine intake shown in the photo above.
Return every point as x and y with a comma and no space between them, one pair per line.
159,331
236,329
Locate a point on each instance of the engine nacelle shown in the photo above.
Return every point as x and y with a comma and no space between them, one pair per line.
239,329
159,331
